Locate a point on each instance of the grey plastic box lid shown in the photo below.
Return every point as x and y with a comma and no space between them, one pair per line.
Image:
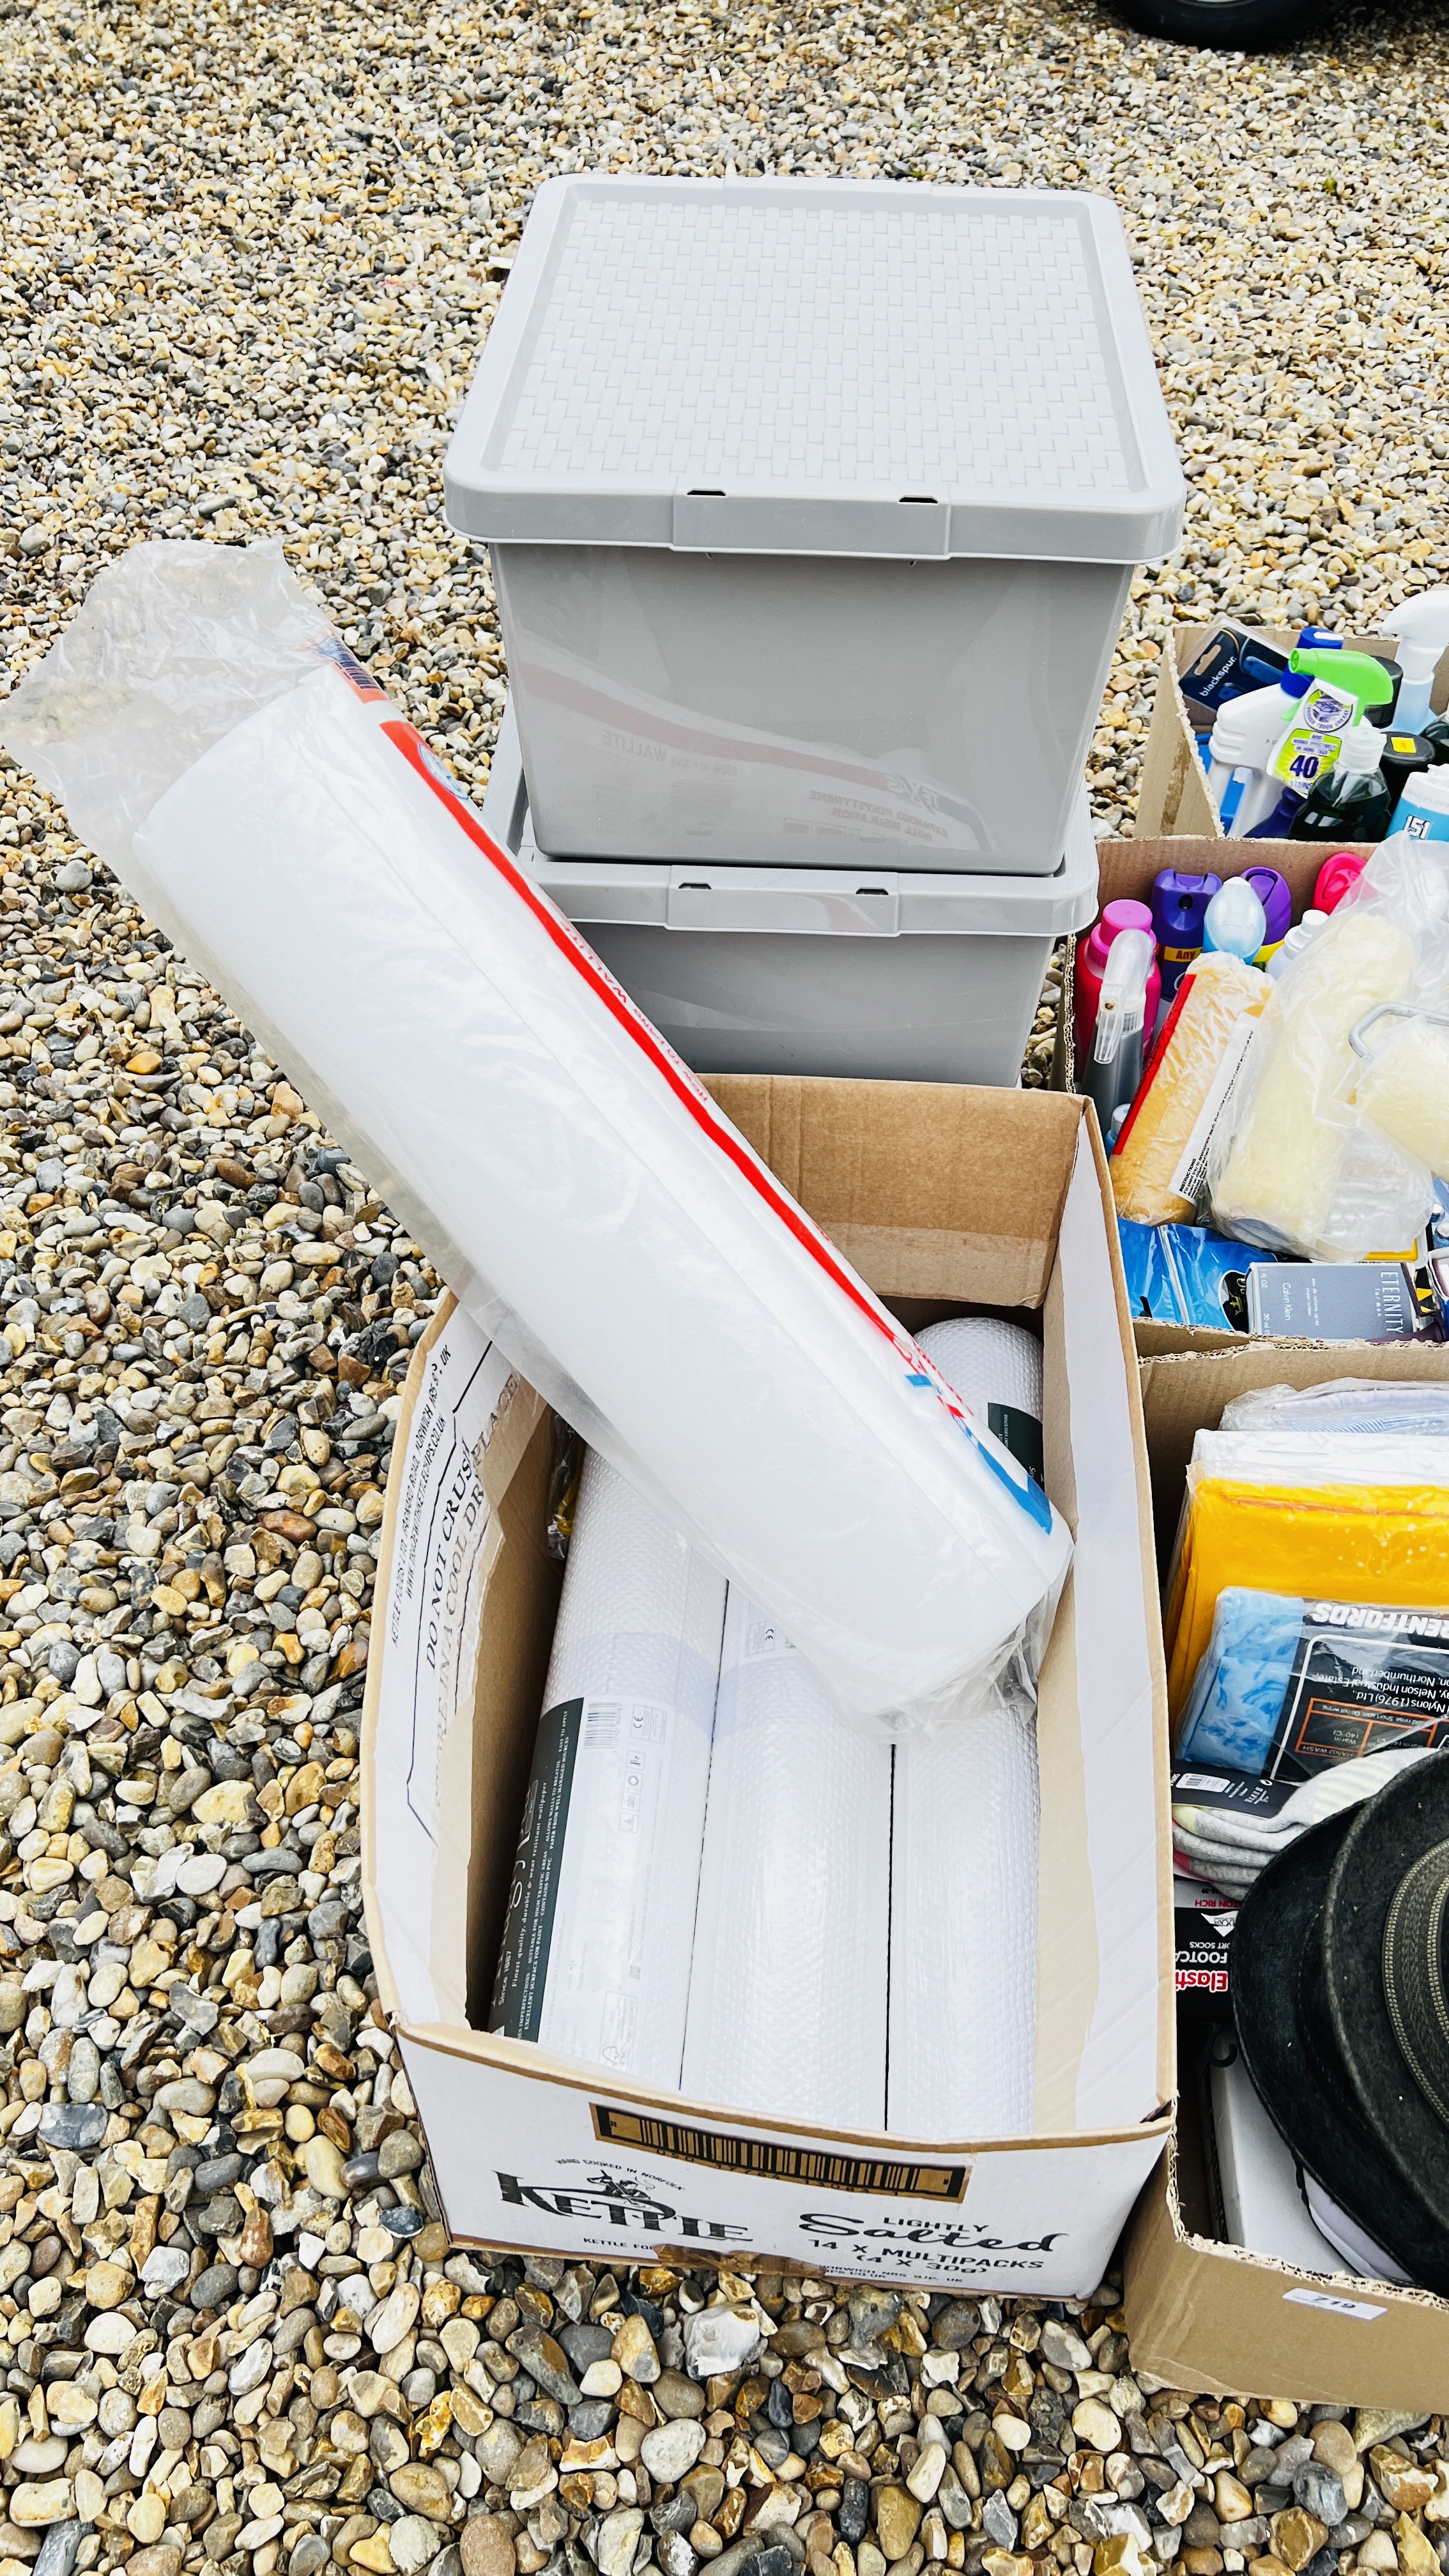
819,366
863,902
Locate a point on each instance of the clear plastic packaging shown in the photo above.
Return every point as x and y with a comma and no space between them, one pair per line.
1159,1169
1400,1409
594,1210
1403,1085
1297,1166
1304,1681
1380,1535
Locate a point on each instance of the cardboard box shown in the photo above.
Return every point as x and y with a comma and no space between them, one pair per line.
942,1197
1173,797
1126,870
1201,2313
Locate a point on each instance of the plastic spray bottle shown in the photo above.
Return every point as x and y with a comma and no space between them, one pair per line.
1114,1067
1093,955
1295,943
1419,662
1352,800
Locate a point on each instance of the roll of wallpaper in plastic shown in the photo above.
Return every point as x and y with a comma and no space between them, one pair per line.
787,1988
595,1958
964,1854
595,1211
1159,1165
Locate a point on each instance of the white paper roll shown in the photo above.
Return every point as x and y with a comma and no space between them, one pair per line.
964,1854
595,1962
787,1996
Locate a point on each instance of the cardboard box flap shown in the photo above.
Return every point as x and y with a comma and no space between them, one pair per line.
1112,1660
443,1540
907,1181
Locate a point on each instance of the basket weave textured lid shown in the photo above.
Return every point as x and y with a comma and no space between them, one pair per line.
819,366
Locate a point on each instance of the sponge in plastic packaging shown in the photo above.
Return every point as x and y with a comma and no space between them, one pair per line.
1159,1165
592,1207
1297,1166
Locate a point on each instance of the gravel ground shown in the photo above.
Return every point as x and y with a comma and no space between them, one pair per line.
251,255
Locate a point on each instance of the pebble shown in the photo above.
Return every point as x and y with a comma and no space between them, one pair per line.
257,260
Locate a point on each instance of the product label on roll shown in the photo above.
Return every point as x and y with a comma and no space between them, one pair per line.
1190,1180
572,1963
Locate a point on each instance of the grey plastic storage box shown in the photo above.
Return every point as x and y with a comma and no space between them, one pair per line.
813,507
862,971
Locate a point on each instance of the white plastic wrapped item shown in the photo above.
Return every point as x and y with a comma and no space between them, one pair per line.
1397,1407
594,1209
1295,1166
787,1989
1288,1458
1403,1086
964,1853
595,1958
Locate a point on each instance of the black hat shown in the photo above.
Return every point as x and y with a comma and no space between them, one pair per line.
1340,1979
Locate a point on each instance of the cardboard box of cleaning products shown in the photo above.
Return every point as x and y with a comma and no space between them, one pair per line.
1126,871
1172,795
1203,2313
941,1197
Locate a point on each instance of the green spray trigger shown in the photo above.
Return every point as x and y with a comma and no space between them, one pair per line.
1358,674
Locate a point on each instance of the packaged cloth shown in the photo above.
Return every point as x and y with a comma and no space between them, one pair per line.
595,1212
1289,1684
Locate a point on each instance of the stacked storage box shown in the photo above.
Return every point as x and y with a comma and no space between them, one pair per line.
813,510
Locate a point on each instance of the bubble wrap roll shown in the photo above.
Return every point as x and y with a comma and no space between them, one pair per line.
787,1994
595,1962
988,1362
964,1856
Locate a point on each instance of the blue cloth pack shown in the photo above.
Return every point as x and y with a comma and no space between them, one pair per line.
1287,1687
1237,1697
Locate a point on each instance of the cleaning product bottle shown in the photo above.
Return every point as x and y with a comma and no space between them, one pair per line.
1418,662
1276,897
1114,1066
1179,901
1247,731
1424,620
1372,683
1296,941
1235,920
1404,756
1340,870
1092,956
1423,809
1353,798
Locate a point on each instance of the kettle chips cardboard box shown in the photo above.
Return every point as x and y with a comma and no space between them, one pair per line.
942,1197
